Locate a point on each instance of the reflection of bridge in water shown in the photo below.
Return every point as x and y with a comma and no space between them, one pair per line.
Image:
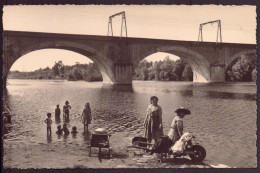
117,57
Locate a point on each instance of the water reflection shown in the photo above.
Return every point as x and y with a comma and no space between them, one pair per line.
229,95
66,119
59,136
218,95
74,135
49,138
86,136
57,120
186,93
65,137
118,88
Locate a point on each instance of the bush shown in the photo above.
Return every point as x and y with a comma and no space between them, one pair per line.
71,77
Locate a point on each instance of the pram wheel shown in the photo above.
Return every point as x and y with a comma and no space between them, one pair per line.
199,153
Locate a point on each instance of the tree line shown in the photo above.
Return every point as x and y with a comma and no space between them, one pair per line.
87,72
166,70
241,69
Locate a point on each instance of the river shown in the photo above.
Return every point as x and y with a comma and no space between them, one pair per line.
223,120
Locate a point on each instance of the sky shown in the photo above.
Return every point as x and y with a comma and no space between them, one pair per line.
238,25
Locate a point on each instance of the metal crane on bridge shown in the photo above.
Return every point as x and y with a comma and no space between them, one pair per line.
200,38
123,24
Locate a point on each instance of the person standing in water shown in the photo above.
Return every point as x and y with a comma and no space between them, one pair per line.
48,121
57,113
153,121
86,116
66,110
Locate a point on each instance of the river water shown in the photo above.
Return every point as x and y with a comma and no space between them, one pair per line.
223,120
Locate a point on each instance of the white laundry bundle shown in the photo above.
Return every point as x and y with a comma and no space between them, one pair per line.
179,146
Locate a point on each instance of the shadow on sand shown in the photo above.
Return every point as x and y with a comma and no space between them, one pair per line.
182,161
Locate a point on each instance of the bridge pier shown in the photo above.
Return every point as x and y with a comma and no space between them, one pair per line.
197,77
122,73
217,73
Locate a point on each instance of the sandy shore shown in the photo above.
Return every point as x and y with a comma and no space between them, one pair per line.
46,156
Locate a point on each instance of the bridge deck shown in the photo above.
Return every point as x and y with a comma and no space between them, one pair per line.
126,39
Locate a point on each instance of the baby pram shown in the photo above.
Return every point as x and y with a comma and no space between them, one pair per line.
161,146
196,152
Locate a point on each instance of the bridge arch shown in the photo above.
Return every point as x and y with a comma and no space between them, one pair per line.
238,55
97,57
200,67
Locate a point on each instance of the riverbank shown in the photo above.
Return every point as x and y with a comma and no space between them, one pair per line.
67,157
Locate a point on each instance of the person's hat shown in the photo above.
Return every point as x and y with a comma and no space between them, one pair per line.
184,110
100,131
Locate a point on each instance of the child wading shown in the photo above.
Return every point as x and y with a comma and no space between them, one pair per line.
48,121
57,112
66,110
65,129
59,130
86,116
74,130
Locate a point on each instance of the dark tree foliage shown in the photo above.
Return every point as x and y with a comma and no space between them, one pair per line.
166,70
88,72
241,70
92,73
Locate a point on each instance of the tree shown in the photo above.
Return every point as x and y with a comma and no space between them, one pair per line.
55,69
241,69
167,66
58,68
161,75
156,68
92,73
77,74
178,69
144,74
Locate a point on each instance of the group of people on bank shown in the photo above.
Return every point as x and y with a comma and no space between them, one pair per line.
153,122
86,118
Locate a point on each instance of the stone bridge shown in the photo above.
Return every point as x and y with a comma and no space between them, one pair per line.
117,57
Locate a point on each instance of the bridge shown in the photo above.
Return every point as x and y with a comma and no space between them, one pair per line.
117,57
